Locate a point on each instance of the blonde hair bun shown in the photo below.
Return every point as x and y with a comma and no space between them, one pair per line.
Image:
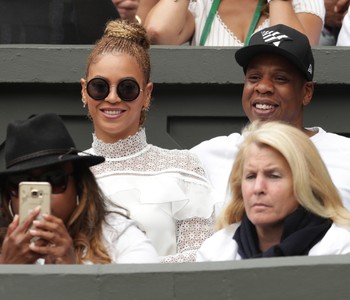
128,30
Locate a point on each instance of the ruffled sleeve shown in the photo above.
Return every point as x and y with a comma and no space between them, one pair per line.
178,196
164,205
165,191
126,243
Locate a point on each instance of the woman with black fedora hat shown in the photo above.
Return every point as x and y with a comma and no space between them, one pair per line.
79,228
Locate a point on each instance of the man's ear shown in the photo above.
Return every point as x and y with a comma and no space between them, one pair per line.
308,92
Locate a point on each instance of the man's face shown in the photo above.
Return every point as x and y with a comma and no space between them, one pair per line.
274,89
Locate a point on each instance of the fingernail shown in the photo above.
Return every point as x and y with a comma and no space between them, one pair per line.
37,209
33,232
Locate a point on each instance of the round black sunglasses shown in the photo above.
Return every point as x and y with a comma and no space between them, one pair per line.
99,88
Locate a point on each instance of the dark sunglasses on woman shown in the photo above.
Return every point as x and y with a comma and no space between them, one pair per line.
57,178
127,89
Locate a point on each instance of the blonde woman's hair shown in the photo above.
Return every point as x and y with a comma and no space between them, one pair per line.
121,36
312,184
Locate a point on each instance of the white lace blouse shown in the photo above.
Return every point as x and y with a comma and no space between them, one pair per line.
166,192
220,35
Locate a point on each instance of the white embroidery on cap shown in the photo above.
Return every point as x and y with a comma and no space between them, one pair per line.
310,69
274,37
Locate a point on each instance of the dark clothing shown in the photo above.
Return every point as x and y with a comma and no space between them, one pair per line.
302,230
54,21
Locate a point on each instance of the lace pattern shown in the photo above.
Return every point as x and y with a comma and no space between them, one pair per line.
190,235
123,148
133,154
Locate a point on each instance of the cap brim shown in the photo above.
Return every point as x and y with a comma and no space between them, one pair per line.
246,54
89,160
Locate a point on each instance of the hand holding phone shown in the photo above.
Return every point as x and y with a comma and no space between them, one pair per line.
31,195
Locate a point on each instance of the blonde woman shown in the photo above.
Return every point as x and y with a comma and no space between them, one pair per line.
284,202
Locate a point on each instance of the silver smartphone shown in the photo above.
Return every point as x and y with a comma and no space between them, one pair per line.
31,195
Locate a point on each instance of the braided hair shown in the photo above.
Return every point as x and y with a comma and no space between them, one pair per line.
122,36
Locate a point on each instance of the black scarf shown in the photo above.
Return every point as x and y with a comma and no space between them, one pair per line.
302,230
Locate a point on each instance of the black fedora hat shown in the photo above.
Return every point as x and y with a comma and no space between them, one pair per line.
41,141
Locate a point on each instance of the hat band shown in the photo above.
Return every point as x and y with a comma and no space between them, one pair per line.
35,155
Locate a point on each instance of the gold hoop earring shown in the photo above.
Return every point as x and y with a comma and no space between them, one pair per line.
78,200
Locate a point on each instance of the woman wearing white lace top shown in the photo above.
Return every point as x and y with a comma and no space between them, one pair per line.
233,21
166,191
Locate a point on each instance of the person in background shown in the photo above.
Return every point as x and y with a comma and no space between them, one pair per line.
144,8
80,229
279,69
54,22
134,10
230,22
283,201
344,34
126,8
335,12
166,191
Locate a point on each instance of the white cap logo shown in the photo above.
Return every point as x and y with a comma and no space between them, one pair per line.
274,37
310,69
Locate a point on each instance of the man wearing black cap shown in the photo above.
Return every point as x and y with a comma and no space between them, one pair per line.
279,66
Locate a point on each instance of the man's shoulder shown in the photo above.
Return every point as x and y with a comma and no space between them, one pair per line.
329,138
219,142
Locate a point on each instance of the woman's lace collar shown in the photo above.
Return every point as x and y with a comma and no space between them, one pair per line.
129,146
